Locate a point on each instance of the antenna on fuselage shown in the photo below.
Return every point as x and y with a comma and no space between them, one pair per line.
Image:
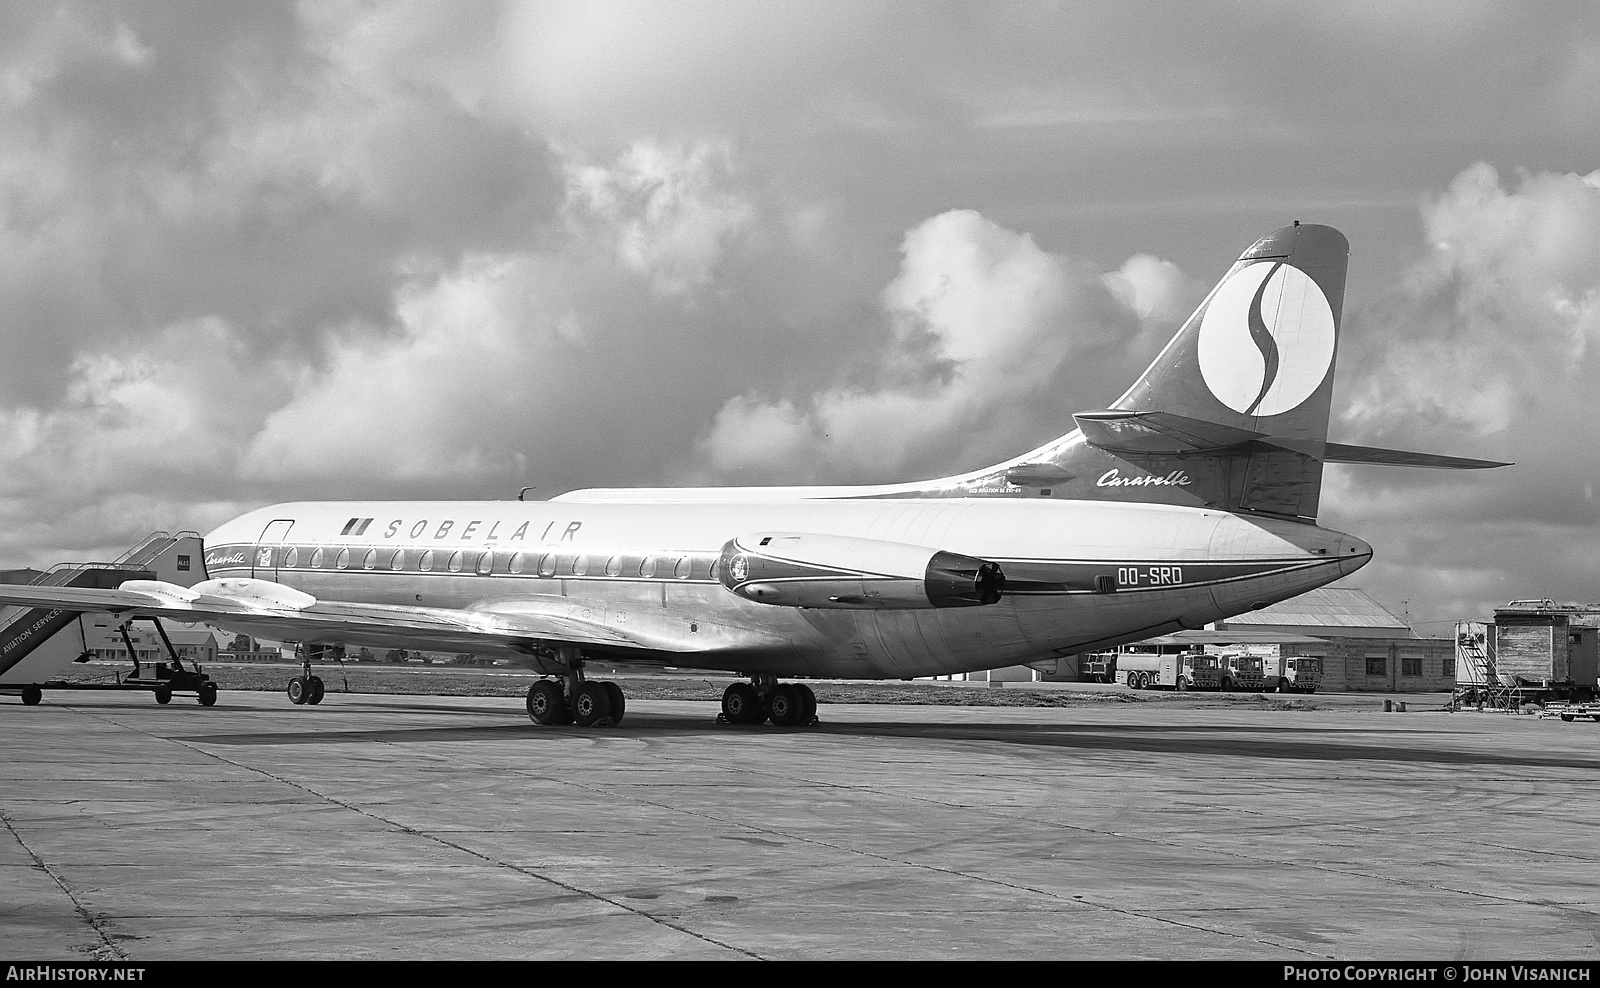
522,495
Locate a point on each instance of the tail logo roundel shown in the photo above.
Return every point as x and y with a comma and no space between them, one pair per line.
1266,340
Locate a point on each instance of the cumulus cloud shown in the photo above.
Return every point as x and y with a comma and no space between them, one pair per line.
995,342
668,211
1486,347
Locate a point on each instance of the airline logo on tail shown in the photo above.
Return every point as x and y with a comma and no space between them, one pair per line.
1266,340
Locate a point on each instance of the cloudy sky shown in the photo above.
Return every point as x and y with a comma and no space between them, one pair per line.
254,252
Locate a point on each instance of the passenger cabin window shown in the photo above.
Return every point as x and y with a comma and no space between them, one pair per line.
291,558
684,568
370,560
485,563
426,562
343,562
316,558
714,563
647,567
515,565
547,564
580,565
614,566
454,564
399,559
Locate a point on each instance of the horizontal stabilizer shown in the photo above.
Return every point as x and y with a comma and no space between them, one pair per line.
1120,431
1343,453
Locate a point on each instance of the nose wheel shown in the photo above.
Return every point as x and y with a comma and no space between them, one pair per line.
306,690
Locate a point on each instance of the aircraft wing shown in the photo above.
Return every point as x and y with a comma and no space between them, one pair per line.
279,613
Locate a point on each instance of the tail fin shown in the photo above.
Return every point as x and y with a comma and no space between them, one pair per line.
1233,413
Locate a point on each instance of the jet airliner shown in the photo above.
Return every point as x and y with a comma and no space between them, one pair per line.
1194,497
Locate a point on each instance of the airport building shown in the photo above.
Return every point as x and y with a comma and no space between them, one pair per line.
1359,645
1363,646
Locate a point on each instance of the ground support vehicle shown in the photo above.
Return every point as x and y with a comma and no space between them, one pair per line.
167,677
1185,671
1570,712
1292,674
1242,671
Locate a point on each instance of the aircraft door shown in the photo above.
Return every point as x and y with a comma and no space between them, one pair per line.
269,549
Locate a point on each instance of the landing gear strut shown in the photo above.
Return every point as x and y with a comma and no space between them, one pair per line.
571,699
764,698
306,688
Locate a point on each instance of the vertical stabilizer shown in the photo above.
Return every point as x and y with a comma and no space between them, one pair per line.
1232,414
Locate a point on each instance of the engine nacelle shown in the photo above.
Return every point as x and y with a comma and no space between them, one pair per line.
793,569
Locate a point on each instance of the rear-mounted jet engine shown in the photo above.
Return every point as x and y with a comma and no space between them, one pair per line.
833,571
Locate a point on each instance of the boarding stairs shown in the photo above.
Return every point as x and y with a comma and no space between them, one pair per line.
1481,688
38,642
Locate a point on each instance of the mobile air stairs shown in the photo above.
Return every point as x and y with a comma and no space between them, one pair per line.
38,643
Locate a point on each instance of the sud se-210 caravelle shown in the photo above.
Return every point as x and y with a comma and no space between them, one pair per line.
1192,498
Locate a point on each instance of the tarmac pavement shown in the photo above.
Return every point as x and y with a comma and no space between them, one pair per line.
401,827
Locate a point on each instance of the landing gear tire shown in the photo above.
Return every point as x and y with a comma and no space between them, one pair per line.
314,697
31,695
619,702
590,704
208,695
808,716
787,706
298,690
163,695
546,704
741,705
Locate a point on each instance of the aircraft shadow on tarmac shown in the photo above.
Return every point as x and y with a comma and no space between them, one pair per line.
1229,741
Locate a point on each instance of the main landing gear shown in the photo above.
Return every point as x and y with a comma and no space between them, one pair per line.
571,699
592,704
764,698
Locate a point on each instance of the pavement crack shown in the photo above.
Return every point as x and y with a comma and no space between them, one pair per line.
95,923
518,869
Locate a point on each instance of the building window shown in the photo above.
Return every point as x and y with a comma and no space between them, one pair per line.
1450,665
1377,665
1410,665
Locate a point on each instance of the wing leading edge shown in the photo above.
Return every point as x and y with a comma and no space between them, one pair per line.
274,612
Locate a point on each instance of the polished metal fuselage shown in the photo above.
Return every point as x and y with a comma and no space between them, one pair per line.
646,569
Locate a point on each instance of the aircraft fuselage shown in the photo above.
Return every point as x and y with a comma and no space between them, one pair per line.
1079,574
